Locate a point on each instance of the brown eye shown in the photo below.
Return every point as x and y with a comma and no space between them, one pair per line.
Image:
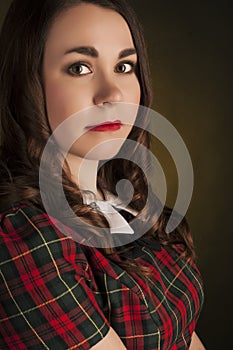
79,69
125,67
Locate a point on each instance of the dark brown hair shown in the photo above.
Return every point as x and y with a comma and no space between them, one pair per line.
25,129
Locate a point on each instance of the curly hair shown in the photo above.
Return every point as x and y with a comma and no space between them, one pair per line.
25,129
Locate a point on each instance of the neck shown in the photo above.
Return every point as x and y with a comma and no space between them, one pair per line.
84,173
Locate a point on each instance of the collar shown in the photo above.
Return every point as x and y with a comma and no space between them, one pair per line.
109,209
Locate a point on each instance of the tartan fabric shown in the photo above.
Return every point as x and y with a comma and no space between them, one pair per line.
57,294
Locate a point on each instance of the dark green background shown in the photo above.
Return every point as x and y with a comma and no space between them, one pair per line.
191,57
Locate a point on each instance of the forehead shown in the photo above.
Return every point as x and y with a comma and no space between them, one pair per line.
91,25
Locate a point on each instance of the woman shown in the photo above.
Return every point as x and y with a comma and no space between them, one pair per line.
59,58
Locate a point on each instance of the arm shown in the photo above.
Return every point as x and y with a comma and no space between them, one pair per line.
52,301
196,344
110,341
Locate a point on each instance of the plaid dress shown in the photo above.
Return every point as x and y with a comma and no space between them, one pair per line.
58,294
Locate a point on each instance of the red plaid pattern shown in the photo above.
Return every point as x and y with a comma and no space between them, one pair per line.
57,294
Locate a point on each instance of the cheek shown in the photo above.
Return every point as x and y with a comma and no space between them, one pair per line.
62,101
135,92
135,96
56,102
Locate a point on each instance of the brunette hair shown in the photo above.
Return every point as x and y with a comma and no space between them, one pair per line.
25,129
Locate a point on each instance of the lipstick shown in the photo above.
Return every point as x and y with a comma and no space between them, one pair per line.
106,126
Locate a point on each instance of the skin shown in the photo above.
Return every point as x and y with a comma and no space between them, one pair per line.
196,343
99,82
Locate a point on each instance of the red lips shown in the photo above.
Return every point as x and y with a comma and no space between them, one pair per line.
107,126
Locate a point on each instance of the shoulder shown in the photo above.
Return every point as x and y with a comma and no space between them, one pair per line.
19,220
47,273
25,228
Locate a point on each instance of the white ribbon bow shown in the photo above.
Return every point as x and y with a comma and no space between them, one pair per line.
116,221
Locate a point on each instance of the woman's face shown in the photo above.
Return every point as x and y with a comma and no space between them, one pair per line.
89,61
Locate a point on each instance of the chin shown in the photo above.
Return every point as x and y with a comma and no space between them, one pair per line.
105,150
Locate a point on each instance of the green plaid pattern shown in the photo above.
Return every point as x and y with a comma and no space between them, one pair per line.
57,294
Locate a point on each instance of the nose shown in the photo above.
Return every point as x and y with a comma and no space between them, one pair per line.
107,91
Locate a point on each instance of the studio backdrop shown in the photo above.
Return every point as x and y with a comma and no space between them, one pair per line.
190,51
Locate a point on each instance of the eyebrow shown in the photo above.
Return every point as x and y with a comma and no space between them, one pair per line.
92,52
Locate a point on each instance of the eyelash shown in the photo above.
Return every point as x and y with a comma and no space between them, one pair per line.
76,64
